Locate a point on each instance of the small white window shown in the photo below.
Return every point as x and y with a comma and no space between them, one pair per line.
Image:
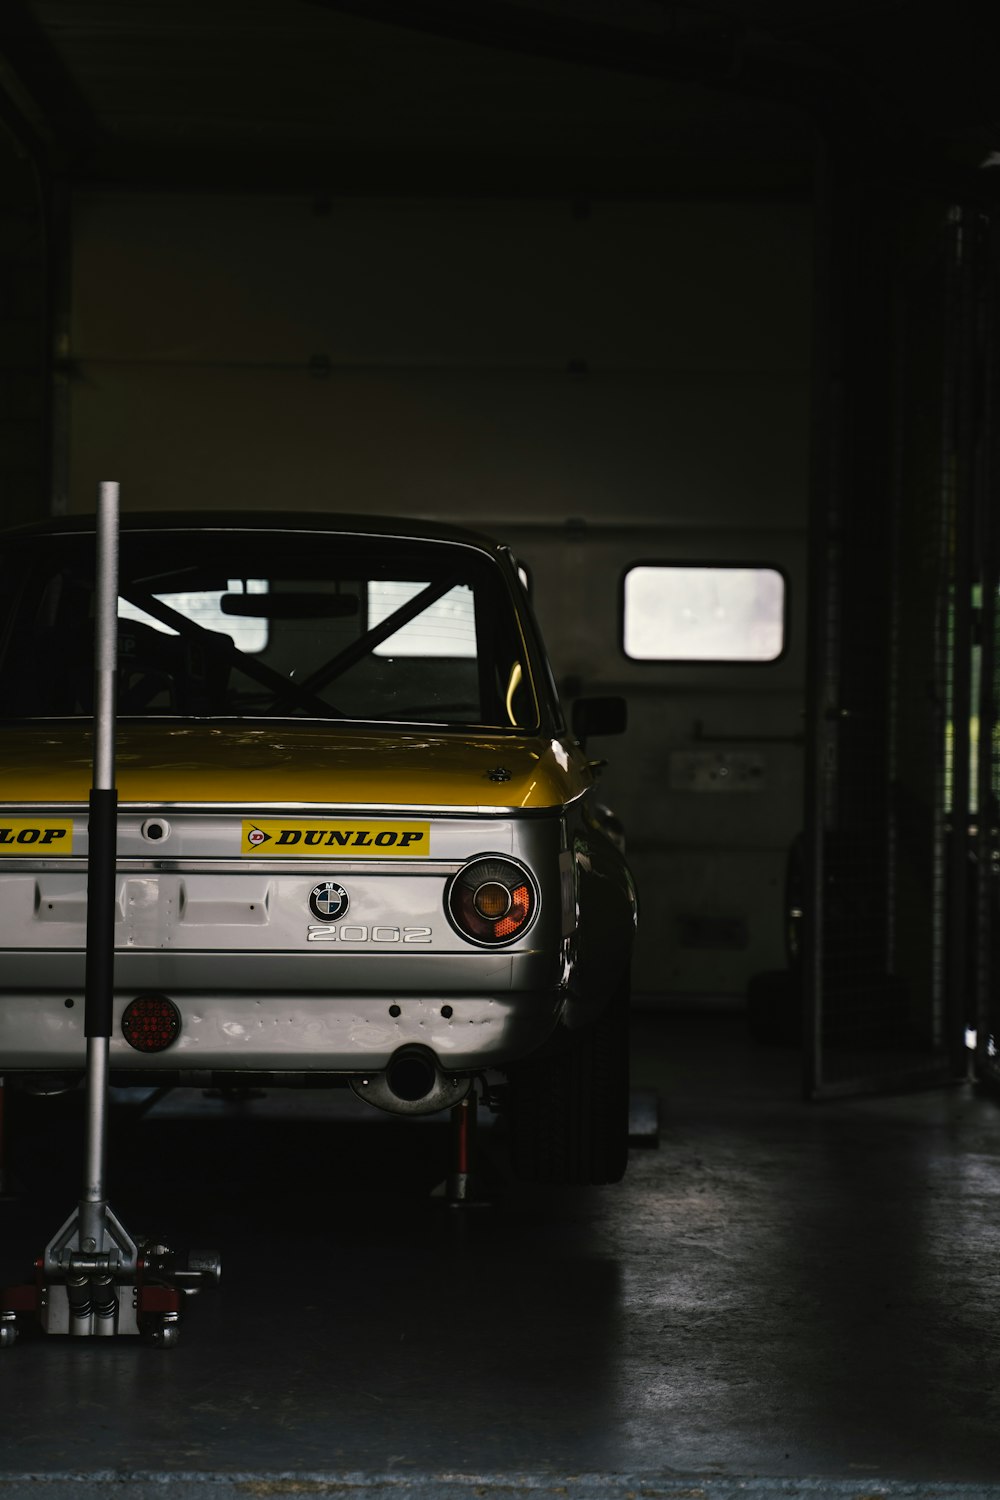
703,613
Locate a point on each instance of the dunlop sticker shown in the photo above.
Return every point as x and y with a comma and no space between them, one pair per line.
36,836
279,838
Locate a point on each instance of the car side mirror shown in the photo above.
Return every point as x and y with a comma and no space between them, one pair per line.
598,716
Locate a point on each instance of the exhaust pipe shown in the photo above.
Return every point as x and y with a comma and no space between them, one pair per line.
413,1084
411,1074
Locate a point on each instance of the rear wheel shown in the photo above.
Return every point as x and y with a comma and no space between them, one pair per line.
569,1112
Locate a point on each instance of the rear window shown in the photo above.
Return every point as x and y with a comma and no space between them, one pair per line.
268,625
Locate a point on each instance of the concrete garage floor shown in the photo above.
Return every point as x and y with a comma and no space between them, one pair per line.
782,1299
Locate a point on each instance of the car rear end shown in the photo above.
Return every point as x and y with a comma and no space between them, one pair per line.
343,938
341,834
355,841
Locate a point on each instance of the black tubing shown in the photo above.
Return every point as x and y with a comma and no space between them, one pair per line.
101,873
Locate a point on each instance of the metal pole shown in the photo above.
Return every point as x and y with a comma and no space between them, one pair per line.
106,638
101,874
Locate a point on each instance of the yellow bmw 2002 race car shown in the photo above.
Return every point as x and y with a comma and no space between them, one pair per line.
356,843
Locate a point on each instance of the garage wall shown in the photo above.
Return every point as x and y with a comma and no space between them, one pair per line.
598,383
490,358
24,468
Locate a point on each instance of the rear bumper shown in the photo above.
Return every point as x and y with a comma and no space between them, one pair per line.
287,1032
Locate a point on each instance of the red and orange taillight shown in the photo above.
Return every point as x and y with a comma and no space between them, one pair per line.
491,901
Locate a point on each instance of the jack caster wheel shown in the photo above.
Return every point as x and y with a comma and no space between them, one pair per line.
164,1332
8,1332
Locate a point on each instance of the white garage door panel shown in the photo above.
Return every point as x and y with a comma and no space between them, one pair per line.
453,445
244,279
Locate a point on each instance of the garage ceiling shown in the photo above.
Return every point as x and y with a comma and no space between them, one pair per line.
577,97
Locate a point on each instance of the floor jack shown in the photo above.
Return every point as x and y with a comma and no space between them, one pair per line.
94,1279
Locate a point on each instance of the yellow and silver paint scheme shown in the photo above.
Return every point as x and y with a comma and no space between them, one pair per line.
224,928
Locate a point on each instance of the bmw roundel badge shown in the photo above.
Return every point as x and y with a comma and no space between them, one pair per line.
328,901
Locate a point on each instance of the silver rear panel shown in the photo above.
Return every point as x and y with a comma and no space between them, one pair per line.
261,983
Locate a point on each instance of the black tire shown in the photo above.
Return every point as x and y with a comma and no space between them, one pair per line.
774,1007
568,1113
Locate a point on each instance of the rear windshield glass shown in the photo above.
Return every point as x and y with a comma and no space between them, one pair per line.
267,625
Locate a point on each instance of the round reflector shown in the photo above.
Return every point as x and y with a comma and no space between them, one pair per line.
150,1023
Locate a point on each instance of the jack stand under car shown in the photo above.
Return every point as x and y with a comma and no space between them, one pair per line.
94,1279
462,1187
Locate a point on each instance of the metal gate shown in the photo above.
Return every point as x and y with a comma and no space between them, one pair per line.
896,935
984,841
